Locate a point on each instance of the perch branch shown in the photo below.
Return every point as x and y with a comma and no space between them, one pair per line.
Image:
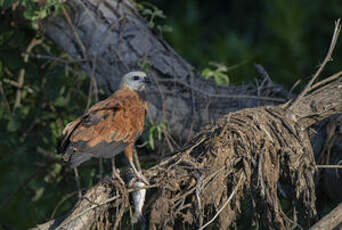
87,210
329,221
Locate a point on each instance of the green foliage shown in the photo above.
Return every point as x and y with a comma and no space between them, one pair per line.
289,38
32,116
154,132
153,14
144,64
34,10
218,71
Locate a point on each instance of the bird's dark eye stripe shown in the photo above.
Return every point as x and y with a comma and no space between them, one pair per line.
136,78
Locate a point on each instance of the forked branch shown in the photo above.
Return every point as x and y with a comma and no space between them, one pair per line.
327,58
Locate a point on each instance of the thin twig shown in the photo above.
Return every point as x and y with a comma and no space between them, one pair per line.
212,176
118,216
329,166
93,84
294,86
57,59
222,95
80,43
93,89
198,192
325,81
21,76
261,70
327,58
18,85
168,141
226,203
66,197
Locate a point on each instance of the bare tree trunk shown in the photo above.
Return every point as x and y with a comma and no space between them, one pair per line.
109,38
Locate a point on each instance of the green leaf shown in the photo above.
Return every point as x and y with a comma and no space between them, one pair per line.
60,101
147,12
29,14
13,125
151,24
151,140
53,173
221,78
159,13
43,13
39,193
165,28
207,73
6,3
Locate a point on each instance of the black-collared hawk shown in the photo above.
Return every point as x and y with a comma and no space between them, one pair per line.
108,127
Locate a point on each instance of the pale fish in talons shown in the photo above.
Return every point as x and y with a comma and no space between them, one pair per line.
138,197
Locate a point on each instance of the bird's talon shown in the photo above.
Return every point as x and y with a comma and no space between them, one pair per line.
143,178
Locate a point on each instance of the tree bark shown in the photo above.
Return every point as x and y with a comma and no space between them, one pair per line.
109,38
331,220
94,206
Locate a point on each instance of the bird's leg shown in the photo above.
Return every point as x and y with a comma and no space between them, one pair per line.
115,173
129,154
77,178
136,159
137,173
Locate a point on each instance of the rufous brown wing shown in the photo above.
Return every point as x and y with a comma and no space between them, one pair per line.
108,128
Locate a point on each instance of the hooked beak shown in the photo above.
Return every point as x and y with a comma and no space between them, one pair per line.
147,80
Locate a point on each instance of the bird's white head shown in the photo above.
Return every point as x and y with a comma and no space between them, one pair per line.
135,80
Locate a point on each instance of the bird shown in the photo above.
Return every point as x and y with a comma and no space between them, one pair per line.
110,126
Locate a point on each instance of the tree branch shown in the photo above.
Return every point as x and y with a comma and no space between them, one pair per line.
329,221
327,58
